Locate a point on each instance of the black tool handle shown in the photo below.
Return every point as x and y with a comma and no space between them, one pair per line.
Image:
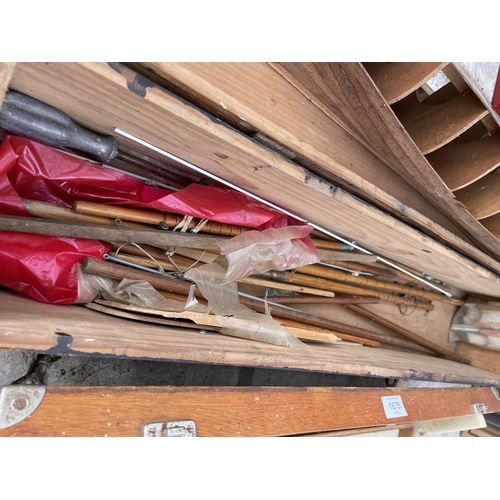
28,117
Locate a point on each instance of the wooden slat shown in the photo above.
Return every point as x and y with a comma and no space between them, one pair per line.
481,198
481,358
433,126
461,164
103,97
74,330
398,79
353,101
279,110
237,411
492,224
6,70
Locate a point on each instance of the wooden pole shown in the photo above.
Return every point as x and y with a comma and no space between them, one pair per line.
283,299
324,284
116,271
342,276
156,218
152,237
405,333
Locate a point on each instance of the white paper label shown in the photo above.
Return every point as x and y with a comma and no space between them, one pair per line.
394,407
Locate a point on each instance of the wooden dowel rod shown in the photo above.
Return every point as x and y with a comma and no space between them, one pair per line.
157,253
116,271
344,255
157,218
283,299
324,284
340,335
342,276
364,268
330,245
311,319
51,211
406,333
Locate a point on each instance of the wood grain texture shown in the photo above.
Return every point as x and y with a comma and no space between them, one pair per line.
492,224
6,70
237,411
350,97
481,198
433,126
398,79
461,164
74,330
104,97
255,95
153,237
481,358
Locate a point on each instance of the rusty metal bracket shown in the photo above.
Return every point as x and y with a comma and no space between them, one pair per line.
177,428
18,402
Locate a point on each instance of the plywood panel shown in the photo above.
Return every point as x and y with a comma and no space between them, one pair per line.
351,98
398,79
104,97
461,164
53,329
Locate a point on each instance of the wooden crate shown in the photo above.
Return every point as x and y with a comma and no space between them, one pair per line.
105,97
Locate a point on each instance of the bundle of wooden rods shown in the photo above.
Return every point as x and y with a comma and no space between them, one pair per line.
343,277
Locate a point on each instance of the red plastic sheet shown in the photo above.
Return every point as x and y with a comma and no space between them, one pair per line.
43,266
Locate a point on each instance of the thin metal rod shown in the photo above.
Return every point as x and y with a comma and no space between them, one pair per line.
269,204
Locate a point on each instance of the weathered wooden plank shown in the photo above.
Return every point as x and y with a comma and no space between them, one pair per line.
481,358
461,164
433,126
353,100
104,97
396,80
53,329
254,96
237,411
6,70
481,198
158,238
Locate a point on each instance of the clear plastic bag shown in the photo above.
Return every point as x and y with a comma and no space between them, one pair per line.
236,319
477,322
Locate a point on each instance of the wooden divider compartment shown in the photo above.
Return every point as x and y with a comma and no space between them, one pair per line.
103,97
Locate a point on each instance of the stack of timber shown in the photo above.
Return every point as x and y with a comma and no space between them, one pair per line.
314,169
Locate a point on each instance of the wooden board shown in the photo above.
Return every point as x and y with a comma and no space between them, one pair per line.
481,198
481,358
398,79
279,110
104,97
461,164
357,105
6,70
74,330
433,126
237,411
492,224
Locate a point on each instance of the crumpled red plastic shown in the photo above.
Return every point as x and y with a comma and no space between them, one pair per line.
43,266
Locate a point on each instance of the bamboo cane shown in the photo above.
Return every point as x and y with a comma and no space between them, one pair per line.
342,276
364,268
405,333
167,266
324,284
115,271
157,218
